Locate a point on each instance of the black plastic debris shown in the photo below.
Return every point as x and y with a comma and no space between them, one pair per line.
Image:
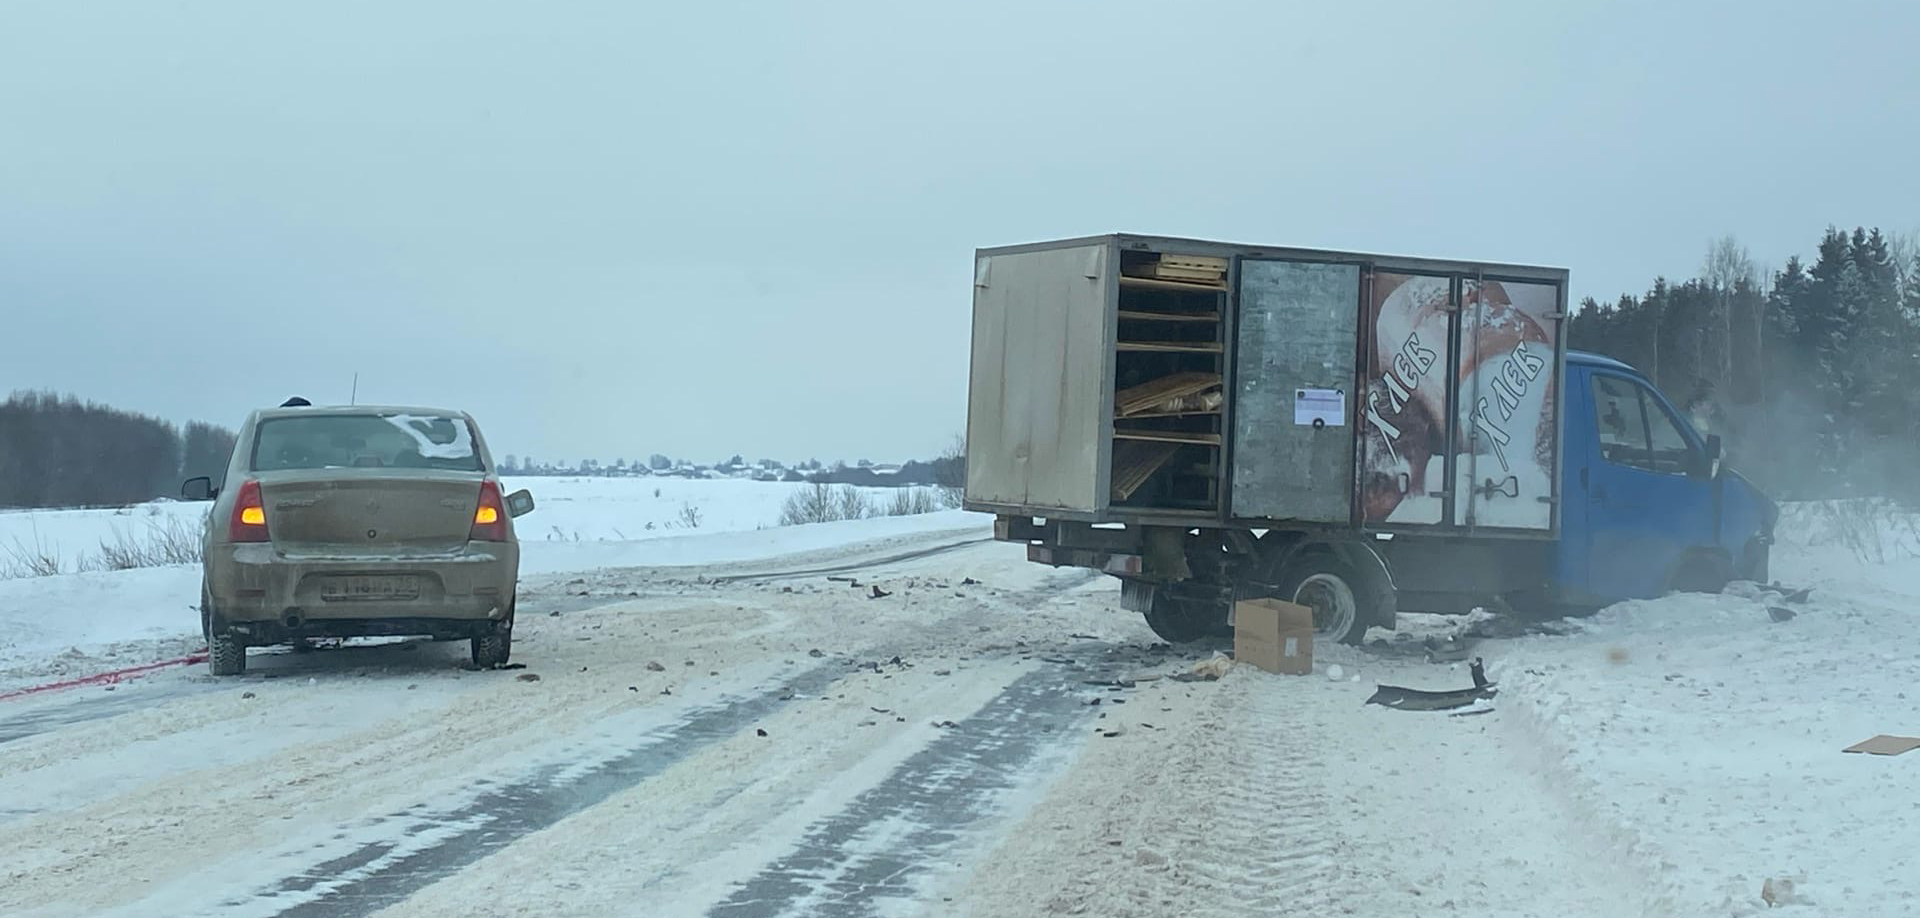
1408,699
878,593
1779,613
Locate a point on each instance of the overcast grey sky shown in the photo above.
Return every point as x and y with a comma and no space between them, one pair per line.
708,228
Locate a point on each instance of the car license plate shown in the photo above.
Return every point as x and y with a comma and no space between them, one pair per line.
370,589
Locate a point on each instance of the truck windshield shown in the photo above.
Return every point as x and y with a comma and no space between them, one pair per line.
365,441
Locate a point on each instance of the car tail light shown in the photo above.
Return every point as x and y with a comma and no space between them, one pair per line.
489,516
249,522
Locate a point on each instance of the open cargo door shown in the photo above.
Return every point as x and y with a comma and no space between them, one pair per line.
1294,402
1037,409
1509,423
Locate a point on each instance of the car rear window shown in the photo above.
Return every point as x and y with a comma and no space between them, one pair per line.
377,441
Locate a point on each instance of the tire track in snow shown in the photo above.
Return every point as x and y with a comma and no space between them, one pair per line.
403,852
881,846
1259,841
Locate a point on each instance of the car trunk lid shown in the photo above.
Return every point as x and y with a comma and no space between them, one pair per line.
370,514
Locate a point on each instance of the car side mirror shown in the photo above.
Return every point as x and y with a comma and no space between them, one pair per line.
520,503
200,488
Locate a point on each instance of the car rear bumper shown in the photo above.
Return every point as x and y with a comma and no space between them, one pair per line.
259,583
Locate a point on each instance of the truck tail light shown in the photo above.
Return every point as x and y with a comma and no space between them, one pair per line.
489,516
249,523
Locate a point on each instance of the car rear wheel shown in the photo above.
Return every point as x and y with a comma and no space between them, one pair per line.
226,653
492,650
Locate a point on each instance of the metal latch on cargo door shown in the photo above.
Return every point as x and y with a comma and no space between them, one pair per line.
1508,488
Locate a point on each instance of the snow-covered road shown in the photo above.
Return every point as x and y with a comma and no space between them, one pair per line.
755,739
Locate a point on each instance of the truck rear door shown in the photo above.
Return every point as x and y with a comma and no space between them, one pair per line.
1509,423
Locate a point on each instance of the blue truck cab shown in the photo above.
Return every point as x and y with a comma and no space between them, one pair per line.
1649,505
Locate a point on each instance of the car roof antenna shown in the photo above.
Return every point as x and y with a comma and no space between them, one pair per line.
296,402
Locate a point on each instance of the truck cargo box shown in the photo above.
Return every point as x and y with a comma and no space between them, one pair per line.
1182,382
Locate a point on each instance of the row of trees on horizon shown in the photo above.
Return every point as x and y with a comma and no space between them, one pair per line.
58,451
1811,373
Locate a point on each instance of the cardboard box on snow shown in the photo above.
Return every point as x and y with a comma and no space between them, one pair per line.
1275,635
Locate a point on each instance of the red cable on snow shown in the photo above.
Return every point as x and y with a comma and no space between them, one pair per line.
106,678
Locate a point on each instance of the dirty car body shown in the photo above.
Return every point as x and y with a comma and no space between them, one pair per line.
359,521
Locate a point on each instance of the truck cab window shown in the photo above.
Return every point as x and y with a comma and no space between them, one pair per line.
1636,431
1622,423
1669,452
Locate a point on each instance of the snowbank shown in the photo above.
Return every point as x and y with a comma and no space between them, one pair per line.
1706,736
568,510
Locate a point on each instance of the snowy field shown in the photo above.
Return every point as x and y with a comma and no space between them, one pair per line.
569,510
718,728
86,620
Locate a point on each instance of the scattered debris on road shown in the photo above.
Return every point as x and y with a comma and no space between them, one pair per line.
760,732
1885,745
245,695
1408,699
879,593
656,667
1780,613
528,677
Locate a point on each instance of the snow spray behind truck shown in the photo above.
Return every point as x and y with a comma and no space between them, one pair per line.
1358,433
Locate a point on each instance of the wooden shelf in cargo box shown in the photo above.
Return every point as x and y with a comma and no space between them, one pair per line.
1134,462
1197,438
1170,347
1143,315
1194,268
1160,394
1174,286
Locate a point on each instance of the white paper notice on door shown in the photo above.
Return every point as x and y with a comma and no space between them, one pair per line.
1320,407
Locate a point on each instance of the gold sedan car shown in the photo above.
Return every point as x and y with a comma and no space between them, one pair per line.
354,522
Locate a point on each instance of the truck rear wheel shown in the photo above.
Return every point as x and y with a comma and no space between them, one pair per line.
1179,622
1345,603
